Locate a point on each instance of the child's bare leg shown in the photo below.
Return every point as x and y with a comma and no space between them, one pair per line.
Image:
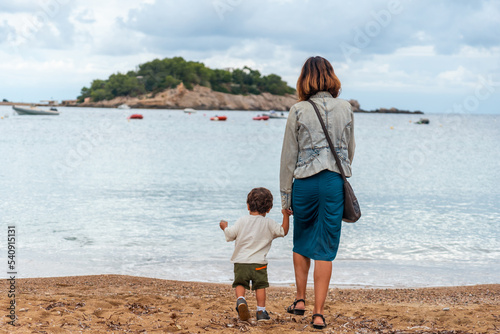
261,297
240,291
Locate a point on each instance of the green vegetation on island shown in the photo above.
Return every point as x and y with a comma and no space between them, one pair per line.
158,75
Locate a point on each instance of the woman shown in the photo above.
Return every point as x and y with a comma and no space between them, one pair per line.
317,199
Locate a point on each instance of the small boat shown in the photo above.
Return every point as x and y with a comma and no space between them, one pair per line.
53,108
123,106
32,110
261,118
274,114
135,116
423,121
189,110
218,118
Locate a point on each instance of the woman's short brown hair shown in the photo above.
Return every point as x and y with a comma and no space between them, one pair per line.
260,200
317,75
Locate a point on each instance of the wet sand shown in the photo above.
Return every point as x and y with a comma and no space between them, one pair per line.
126,304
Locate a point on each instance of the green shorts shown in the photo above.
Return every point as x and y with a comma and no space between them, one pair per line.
246,272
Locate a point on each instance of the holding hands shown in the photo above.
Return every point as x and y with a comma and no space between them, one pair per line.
286,217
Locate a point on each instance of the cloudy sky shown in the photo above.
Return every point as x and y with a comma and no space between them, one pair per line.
435,56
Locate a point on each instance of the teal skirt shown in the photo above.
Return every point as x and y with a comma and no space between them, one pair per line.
318,204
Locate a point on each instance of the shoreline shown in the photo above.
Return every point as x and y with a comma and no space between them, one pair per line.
286,284
159,107
118,303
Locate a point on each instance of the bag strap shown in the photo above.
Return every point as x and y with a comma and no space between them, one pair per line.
332,147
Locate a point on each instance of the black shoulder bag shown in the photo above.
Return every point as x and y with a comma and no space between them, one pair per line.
352,212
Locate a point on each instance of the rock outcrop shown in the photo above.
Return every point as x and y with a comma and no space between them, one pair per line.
357,108
200,98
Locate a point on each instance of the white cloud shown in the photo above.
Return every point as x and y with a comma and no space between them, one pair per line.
459,76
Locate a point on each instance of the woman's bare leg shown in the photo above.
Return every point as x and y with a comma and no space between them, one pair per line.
322,275
301,266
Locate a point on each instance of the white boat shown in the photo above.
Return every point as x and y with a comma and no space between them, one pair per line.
32,110
274,114
189,110
123,106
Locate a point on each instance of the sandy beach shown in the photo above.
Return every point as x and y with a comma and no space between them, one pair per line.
126,304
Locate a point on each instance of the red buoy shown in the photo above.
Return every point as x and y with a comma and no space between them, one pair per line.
135,116
218,118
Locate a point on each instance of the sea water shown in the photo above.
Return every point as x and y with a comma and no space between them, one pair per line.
91,192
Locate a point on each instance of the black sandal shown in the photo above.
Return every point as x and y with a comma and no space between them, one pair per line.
294,310
316,326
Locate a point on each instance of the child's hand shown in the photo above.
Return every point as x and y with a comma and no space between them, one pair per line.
223,224
287,212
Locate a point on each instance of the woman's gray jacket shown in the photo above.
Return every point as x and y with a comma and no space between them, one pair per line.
305,149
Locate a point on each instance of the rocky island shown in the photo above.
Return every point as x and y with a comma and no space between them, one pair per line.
174,83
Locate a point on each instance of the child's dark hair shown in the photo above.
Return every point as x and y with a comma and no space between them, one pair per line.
260,200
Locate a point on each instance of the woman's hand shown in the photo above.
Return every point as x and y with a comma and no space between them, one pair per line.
287,212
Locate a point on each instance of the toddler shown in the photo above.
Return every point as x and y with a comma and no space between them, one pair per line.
253,235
